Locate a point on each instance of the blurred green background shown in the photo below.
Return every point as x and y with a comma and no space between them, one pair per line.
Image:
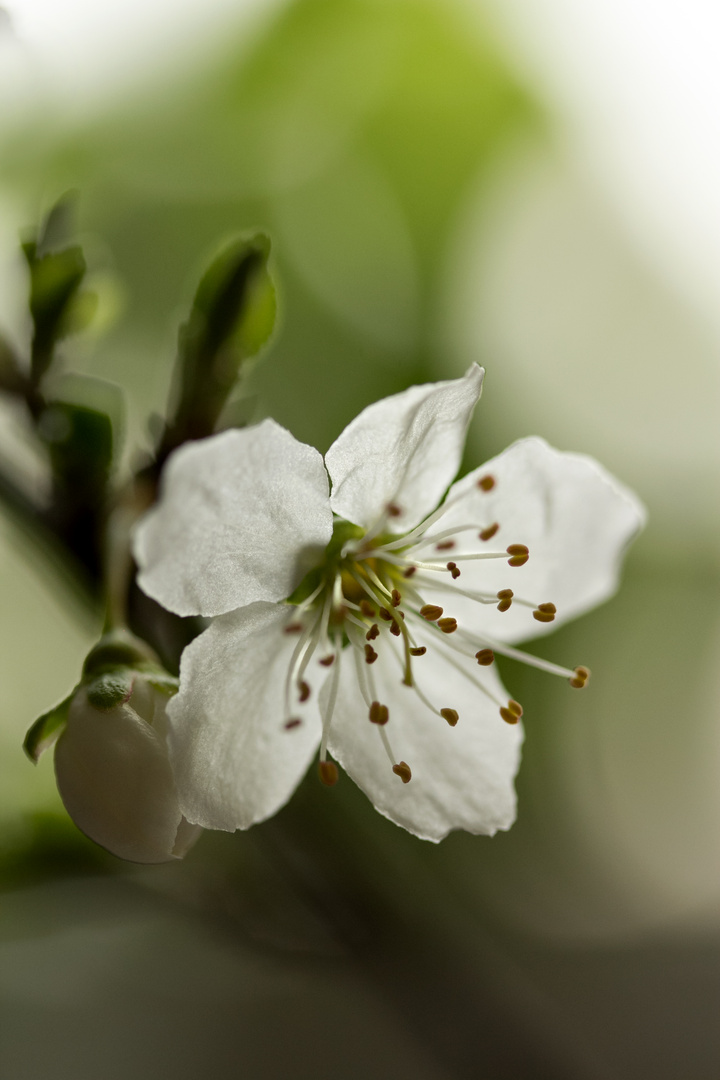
425,212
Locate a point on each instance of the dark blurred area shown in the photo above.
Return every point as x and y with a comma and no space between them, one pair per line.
424,212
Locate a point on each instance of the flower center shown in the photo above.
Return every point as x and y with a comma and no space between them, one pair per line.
373,592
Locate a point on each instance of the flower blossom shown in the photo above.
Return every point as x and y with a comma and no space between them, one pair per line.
355,613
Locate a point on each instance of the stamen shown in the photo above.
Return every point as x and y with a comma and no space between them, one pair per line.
395,598
378,714
410,571
393,510
385,615
373,632
486,483
450,715
580,679
447,625
327,661
545,613
419,651
402,769
292,723
303,691
505,596
512,712
367,609
516,654
487,534
519,554
370,655
445,545
327,770
293,628
452,567
395,629
431,612
330,706
485,657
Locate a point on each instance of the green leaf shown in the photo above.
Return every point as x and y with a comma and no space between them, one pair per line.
80,441
231,319
111,689
55,280
46,730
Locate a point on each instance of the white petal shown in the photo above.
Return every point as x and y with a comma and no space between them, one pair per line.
462,776
403,450
242,516
576,519
234,761
115,780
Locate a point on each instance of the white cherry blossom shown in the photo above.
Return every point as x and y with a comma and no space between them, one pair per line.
357,618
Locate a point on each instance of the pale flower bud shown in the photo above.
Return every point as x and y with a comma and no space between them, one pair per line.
111,761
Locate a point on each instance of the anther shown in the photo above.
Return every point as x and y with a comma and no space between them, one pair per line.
452,567
367,609
402,769
448,626
450,715
395,630
327,661
445,545
505,596
393,510
419,651
410,571
293,723
519,554
485,657
379,714
373,632
327,770
385,615
512,712
395,597
582,674
293,628
486,483
370,655
545,612
304,691
487,534
431,612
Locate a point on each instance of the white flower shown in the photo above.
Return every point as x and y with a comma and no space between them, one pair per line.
328,627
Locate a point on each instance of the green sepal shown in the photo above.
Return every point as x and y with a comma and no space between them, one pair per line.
231,319
46,729
111,688
80,443
119,649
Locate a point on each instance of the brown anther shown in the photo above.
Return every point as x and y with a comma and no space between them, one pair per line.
452,567
395,598
395,630
410,571
419,651
373,632
448,626
445,545
545,613
385,615
512,712
370,655
327,770
450,715
293,628
487,534
367,609
379,714
519,554
328,661
505,596
402,769
486,483
485,657
431,612
393,510
293,723
303,691
582,674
